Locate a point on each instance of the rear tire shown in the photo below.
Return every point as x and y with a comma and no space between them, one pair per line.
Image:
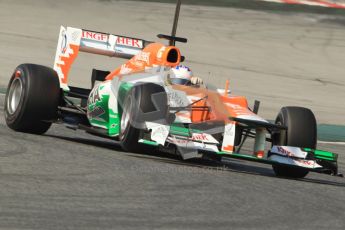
301,132
144,102
32,99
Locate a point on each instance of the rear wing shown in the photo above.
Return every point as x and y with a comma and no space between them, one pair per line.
72,40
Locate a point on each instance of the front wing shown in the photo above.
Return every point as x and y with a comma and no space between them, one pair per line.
189,143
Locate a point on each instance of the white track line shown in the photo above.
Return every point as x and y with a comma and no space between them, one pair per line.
331,142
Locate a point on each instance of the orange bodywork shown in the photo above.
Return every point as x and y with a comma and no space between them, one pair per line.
67,61
155,54
225,107
228,148
215,106
222,106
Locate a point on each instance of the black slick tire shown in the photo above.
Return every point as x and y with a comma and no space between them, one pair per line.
32,99
301,132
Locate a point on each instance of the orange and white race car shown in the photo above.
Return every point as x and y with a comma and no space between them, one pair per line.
139,104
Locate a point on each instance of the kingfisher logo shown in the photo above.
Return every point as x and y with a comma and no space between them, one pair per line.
95,36
131,42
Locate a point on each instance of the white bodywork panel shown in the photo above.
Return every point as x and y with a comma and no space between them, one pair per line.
292,156
190,144
260,142
159,133
297,162
229,137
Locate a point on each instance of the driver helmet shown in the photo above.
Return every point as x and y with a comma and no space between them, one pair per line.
181,75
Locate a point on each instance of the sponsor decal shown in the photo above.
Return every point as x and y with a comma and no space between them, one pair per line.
284,152
177,98
160,53
95,36
143,56
238,110
305,162
203,137
138,64
131,42
244,113
96,112
229,137
229,130
124,69
94,97
289,151
75,35
63,42
159,133
185,143
178,141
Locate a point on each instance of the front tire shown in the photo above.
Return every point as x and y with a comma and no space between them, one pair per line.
301,132
144,102
32,99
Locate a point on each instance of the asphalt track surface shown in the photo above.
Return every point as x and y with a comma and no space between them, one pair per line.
70,180
66,179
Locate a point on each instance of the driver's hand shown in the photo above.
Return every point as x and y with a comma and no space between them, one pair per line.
196,81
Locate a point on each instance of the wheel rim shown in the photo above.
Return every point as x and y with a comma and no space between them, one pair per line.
14,95
126,114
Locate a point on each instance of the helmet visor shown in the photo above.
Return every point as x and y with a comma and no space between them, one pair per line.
180,81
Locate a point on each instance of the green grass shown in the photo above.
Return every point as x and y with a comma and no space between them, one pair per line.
331,132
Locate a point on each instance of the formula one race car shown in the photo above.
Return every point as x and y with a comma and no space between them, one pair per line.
137,104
